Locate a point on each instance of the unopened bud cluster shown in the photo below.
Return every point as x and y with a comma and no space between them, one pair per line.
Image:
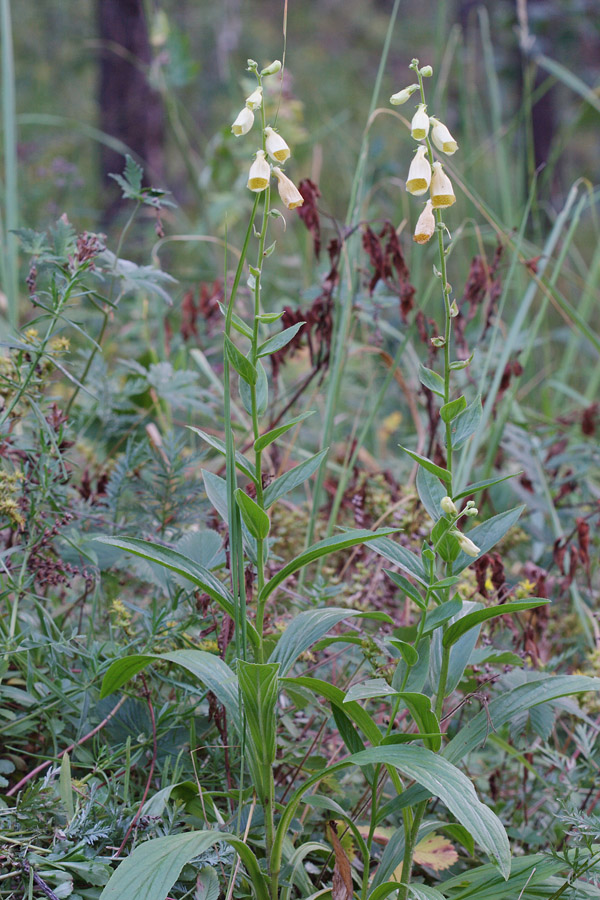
449,508
274,146
425,175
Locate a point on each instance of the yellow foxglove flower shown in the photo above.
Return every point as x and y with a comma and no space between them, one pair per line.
271,69
442,193
448,506
288,191
419,127
442,138
260,173
419,174
254,101
243,123
403,95
467,545
276,146
425,229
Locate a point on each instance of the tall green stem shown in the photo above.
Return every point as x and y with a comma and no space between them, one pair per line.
411,837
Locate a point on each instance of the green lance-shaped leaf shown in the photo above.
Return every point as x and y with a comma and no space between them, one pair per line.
259,689
209,669
441,614
278,341
455,790
308,627
296,476
449,411
265,439
330,545
502,709
419,706
402,557
406,587
531,878
216,491
478,486
481,615
444,474
337,698
487,535
409,654
243,464
466,423
256,520
154,866
431,492
242,366
431,380
183,565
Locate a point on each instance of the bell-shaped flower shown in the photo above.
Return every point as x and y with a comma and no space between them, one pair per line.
276,146
405,94
288,191
419,174
466,545
448,506
254,101
442,193
442,138
260,173
244,122
425,229
419,127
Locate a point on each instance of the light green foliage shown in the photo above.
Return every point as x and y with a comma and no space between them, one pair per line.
279,527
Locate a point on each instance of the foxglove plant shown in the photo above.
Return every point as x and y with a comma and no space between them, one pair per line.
405,761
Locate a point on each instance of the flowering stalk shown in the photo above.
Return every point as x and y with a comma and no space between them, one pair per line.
243,507
260,561
441,195
445,289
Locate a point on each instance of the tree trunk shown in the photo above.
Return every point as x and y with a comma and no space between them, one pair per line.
130,109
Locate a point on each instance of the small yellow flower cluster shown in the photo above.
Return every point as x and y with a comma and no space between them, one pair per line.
274,146
120,615
9,491
423,175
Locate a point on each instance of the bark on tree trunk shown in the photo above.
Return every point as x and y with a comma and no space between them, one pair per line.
129,109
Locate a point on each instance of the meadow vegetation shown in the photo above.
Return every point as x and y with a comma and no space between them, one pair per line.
299,484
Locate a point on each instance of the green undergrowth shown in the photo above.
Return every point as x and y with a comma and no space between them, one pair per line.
298,515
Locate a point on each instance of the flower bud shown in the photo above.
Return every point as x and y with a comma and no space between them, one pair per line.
260,173
276,146
467,545
470,503
442,138
244,122
419,127
254,101
272,69
403,95
288,191
425,225
442,193
453,309
448,506
426,71
471,511
419,174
